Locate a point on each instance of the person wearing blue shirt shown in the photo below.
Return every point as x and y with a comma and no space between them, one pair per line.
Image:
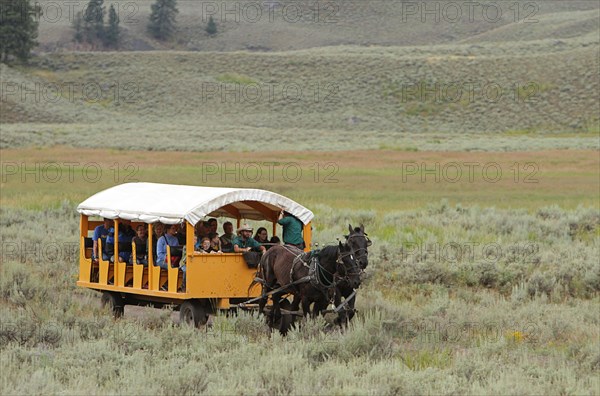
100,232
161,249
125,236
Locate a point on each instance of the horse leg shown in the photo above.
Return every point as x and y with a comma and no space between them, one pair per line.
275,314
341,318
320,305
261,308
350,311
296,303
306,306
280,320
347,313
295,306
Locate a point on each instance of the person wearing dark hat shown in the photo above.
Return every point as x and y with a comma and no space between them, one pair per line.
292,229
244,242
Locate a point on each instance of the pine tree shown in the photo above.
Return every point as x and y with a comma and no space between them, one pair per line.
18,29
162,19
211,28
78,27
113,32
94,22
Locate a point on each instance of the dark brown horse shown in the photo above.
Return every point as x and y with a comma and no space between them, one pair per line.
358,241
282,266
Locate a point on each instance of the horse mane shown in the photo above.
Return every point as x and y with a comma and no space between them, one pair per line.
329,252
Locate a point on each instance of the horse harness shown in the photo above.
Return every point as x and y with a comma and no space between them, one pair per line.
316,274
319,277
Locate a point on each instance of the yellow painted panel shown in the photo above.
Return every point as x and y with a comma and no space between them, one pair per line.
219,275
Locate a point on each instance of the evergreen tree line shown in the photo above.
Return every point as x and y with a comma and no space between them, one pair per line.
90,28
18,29
162,20
19,26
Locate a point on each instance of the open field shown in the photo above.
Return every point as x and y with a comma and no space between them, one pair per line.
523,320
373,180
461,297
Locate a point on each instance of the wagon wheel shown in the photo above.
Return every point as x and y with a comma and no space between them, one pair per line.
114,302
193,313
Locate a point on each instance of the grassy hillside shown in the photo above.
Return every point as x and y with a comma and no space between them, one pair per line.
496,96
346,75
290,25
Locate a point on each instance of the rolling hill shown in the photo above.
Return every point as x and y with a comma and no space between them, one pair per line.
418,86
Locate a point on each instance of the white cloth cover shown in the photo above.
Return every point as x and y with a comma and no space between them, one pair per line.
170,204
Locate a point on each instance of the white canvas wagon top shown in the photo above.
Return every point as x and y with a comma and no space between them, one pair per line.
170,203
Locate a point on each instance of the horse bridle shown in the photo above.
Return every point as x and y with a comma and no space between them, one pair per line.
340,261
339,264
364,250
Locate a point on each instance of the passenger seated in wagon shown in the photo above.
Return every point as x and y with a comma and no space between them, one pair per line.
141,245
227,238
101,232
169,238
202,229
215,242
273,242
212,224
206,247
181,235
245,243
261,236
124,238
126,235
158,231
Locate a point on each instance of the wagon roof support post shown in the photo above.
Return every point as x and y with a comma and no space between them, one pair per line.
189,239
150,249
83,226
116,249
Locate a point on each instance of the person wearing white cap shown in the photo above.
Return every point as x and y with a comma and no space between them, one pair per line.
244,242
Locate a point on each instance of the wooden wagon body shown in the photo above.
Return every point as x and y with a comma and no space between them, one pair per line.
214,281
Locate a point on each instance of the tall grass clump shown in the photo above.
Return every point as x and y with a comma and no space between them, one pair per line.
552,251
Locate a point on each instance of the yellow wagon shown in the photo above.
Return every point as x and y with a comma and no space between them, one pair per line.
214,281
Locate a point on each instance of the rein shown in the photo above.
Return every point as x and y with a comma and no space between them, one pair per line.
325,279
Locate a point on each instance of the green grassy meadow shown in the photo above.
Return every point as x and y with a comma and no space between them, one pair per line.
353,180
